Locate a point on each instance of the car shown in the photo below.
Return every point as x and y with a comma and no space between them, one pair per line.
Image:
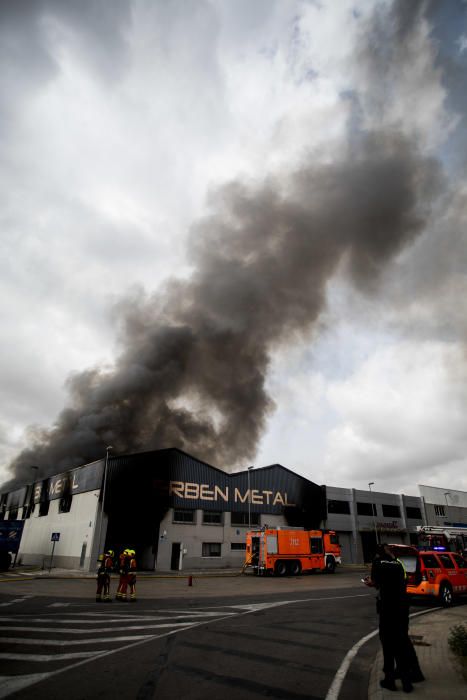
437,574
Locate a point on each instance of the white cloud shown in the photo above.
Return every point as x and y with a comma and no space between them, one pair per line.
402,418
108,153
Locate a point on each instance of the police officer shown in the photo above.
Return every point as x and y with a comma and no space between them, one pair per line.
389,577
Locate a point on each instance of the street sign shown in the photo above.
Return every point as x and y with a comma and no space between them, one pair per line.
55,537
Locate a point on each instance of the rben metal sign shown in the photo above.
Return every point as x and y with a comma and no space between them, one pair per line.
190,491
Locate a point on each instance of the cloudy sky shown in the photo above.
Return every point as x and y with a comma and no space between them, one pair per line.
238,228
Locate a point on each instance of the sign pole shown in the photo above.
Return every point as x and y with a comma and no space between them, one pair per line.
55,538
52,556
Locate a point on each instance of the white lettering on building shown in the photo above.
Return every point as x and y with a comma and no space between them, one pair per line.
205,492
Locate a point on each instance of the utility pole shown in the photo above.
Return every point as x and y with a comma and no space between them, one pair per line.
372,483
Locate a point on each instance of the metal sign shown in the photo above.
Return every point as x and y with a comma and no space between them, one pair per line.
55,537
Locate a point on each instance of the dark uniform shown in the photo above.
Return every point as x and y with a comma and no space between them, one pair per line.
392,605
103,577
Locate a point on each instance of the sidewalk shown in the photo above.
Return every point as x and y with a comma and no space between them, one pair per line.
55,572
444,679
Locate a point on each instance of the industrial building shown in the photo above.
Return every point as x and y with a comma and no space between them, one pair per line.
179,513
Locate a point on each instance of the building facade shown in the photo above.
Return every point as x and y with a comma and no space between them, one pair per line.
179,513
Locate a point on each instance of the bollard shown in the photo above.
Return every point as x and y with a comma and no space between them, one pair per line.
190,580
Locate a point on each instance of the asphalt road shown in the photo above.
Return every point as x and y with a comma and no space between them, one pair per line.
226,639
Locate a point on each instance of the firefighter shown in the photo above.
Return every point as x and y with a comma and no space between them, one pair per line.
123,568
132,575
103,577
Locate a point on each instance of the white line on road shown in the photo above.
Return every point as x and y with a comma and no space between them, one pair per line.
335,687
72,642
12,684
16,600
42,658
71,630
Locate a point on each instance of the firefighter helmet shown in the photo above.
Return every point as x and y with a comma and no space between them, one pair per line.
110,552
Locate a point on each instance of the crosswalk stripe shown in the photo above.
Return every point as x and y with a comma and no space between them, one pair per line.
42,658
72,642
71,630
96,623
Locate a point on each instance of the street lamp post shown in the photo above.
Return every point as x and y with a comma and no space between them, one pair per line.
106,463
372,483
249,498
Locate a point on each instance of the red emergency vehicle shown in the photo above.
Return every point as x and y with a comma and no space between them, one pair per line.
291,551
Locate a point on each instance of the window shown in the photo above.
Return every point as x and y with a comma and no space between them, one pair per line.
341,507
334,539
413,513
430,561
366,509
65,504
211,549
390,511
460,561
241,518
212,517
238,546
44,508
13,514
27,510
446,561
316,545
439,510
184,515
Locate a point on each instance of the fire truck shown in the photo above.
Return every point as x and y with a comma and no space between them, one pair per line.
443,538
291,551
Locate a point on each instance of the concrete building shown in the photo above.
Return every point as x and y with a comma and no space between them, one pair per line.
178,512
360,517
174,510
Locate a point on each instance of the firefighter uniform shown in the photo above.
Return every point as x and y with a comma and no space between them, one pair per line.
124,568
132,575
103,577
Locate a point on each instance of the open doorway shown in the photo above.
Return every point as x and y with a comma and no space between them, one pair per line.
175,561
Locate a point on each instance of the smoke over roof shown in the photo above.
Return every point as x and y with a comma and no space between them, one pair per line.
195,355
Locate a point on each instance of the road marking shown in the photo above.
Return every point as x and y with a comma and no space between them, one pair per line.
16,600
71,642
59,605
335,687
64,621
13,684
42,658
73,630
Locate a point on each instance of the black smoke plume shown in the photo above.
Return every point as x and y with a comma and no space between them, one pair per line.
195,355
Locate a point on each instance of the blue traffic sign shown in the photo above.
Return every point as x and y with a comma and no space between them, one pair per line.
55,537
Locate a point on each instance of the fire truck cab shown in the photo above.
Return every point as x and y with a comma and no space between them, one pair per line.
291,551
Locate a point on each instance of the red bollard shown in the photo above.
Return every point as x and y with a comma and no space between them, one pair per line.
190,580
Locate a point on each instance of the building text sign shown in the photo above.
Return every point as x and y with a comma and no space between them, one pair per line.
189,491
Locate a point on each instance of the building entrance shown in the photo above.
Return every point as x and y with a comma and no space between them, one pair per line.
175,559
368,546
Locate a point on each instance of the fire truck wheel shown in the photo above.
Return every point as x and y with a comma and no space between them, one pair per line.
330,565
280,568
445,595
295,568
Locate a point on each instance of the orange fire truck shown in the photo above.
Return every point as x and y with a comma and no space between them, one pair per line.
290,551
